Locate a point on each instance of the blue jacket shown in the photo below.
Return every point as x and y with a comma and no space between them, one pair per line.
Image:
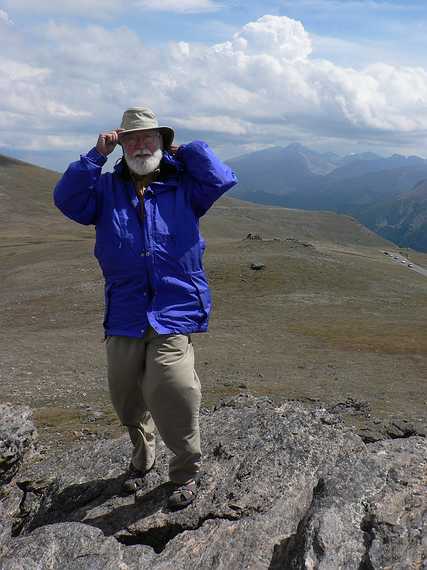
152,265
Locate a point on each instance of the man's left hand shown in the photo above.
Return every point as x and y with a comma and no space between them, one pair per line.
173,149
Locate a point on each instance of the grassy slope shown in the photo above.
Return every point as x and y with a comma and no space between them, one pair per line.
26,207
331,319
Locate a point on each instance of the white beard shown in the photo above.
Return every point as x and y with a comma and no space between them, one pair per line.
144,164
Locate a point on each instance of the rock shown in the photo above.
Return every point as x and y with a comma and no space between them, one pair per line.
73,546
351,406
375,429
282,487
371,434
257,266
366,514
297,242
10,501
17,438
97,415
400,428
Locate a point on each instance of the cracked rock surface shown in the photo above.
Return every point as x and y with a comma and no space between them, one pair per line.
17,438
282,487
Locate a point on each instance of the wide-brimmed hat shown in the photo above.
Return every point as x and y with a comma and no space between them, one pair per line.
144,119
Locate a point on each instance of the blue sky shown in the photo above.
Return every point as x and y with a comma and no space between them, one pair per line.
334,75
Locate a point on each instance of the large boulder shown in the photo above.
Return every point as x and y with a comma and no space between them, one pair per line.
17,438
73,546
367,513
283,487
10,509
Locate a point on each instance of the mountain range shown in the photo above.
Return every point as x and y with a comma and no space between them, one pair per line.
386,194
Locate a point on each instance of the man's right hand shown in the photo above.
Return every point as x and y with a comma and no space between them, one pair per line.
107,142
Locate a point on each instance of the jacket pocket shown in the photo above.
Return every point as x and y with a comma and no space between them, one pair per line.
107,295
201,286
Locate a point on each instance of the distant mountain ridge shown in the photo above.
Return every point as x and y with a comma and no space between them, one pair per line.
256,167
356,165
364,185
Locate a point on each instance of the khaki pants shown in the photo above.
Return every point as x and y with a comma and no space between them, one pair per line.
153,378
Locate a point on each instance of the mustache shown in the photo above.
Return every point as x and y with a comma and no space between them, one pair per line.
144,163
142,154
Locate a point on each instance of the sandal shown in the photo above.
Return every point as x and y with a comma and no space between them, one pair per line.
134,479
182,495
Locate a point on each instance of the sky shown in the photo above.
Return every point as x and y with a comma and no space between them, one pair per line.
334,75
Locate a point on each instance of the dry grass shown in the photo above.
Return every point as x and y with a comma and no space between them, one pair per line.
366,335
330,321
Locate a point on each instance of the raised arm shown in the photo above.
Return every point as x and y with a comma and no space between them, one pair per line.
211,177
76,192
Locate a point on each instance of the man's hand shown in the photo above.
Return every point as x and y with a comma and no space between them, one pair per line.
107,142
173,149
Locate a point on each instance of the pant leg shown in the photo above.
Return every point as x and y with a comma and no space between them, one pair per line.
172,393
126,364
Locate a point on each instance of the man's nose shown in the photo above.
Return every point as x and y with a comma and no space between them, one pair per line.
140,143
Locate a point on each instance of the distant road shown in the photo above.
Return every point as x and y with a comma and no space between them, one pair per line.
405,263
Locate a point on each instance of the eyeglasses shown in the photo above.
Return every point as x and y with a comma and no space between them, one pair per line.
132,139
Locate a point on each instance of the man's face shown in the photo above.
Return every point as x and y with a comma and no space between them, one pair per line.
142,150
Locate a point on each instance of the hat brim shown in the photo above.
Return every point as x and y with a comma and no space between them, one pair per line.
167,133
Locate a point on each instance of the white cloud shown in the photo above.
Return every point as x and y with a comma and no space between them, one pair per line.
16,70
282,38
98,9
354,5
4,18
49,142
263,86
179,6
265,72
102,9
28,101
214,124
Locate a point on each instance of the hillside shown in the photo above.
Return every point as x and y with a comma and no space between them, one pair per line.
26,207
402,220
329,317
348,195
231,218
27,212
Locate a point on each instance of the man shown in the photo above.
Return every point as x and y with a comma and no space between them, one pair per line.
150,251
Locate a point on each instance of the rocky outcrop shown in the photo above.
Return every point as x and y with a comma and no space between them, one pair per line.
283,487
17,438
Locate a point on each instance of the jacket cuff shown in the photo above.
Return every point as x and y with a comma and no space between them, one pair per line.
188,149
96,157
